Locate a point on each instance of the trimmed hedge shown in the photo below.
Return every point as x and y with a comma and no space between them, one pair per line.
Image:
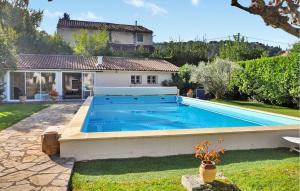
274,80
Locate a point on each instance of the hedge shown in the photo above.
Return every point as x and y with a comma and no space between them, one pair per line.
275,80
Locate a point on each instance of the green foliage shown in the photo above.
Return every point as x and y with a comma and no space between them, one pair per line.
139,52
182,52
214,76
90,44
182,79
25,22
43,43
2,90
273,80
193,52
7,48
239,50
295,48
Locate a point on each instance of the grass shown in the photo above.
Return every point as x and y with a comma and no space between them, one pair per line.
261,170
12,113
260,106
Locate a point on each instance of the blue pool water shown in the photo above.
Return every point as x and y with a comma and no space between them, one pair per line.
140,113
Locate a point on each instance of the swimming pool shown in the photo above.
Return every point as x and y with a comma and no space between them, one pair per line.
146,113
108,127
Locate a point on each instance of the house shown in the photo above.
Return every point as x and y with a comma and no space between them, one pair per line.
121,36
74,77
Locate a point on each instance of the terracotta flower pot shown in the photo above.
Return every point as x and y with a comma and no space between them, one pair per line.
208,171
54,98
189,94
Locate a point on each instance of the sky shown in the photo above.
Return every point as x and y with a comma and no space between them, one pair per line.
169,19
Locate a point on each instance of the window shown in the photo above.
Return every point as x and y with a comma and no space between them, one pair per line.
136,79
17,85
140,37
35,85
109,37
152,79
75,84
88,84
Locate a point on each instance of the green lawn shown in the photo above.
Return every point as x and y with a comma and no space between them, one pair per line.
12,113
261,170
262,107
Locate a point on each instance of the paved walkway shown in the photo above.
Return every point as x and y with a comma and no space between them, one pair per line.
23,166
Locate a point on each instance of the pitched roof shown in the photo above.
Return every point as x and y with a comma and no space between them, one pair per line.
74,62
63,23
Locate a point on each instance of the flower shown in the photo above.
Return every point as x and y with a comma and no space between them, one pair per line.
53,93
208,151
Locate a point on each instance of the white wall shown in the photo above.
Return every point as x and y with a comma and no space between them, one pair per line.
123,78
90,149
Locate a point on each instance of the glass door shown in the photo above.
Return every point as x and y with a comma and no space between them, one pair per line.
87,85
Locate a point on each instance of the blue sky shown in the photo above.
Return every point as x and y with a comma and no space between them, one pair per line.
169,19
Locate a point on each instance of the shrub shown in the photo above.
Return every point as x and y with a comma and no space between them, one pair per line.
214,76
273,80
181,79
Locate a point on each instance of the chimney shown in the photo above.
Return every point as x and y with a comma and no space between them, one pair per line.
135,23
100,60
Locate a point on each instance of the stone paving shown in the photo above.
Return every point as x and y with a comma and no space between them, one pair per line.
23,166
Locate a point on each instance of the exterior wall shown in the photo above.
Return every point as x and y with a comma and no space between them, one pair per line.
164,146
101,79
122,37
123,79
116,37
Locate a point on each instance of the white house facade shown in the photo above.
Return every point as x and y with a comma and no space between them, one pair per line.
74,77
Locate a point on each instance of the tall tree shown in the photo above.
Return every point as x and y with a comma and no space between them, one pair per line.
239,49
15,14
90,44
7,48
282,14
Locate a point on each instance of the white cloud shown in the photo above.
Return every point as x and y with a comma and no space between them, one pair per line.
54,14
88,16
195,2
155,9
152,7
136,3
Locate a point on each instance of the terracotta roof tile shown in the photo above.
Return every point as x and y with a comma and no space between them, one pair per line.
101,25
74,62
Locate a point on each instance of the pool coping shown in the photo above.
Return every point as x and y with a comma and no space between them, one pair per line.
73,131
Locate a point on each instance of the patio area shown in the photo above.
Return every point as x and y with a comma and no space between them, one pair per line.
23,166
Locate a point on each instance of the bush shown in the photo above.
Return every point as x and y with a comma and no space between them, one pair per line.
214,76
182,79
272,80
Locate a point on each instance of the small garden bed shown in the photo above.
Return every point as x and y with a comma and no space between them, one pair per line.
260,106
266,169
12,113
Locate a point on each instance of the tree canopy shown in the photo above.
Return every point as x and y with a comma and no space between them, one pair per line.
282,14
25,22
90,44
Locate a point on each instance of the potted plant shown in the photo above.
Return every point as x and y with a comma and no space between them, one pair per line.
53,95
209,153
189,93
22,97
